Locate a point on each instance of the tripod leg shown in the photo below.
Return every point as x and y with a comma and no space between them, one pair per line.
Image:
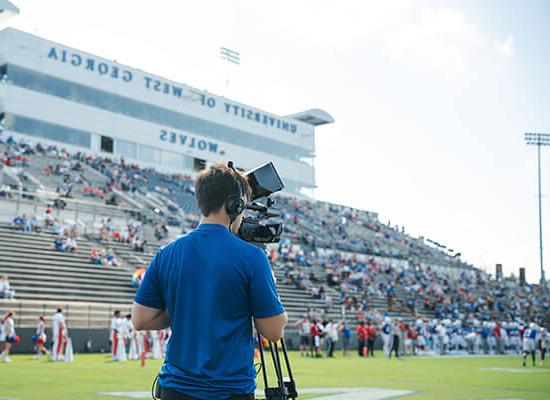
280,368
287,362
261,348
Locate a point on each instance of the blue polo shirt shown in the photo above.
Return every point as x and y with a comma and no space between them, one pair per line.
212,284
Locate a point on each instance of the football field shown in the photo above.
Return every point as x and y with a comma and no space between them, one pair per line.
96,377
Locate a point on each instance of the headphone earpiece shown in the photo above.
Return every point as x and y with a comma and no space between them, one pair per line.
234,204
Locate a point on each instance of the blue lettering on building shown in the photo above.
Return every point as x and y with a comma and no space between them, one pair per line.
167,88
88,63
256,116
187,141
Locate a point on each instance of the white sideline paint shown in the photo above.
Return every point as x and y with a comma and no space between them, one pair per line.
327,393
525,370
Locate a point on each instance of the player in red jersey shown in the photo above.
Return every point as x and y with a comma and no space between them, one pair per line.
361,338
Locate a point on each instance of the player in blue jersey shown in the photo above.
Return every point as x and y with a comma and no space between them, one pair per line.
529,342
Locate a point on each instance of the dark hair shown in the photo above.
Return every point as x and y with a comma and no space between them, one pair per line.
117,312
215,184
59,310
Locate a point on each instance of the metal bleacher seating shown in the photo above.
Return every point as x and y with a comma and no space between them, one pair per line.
45,279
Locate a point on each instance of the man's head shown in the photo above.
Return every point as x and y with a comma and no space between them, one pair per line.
116,313
217,189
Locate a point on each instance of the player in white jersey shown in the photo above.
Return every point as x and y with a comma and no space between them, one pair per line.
122,328
441,335
58,330
505,340
529,342
544,342
2,335
113,334
304,326
513,334
387,335
131,339
9,328
39,337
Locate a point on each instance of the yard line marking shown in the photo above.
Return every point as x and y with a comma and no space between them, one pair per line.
517,370
333,393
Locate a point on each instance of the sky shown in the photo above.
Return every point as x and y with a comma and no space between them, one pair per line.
430,98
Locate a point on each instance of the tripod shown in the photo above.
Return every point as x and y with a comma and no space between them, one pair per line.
285,389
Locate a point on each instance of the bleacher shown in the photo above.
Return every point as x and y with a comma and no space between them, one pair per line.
41,276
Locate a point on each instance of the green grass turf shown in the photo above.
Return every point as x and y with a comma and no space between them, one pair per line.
430,378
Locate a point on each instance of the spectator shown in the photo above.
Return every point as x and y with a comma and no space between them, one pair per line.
48,216
70,244
95,258
58,228
59,244
19,222
110,258
139,245
5,291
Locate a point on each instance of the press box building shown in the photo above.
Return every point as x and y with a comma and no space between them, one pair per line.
56,94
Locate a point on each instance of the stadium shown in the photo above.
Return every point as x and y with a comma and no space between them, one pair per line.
98,166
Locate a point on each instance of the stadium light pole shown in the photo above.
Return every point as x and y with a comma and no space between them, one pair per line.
539,140
231,56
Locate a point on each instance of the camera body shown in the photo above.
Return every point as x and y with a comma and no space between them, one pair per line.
262,223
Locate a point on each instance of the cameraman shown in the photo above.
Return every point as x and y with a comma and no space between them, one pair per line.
208,286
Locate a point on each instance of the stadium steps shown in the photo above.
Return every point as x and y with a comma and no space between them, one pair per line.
41,247
39,273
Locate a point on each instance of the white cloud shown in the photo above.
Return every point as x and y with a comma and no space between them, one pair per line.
442,40
506,47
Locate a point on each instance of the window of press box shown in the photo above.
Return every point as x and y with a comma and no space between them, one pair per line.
199,164
107,144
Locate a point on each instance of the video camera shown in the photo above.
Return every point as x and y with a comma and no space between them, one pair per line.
262,223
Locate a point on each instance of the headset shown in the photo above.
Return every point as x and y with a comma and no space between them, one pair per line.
234,204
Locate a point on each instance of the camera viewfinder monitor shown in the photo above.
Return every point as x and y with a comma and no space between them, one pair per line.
264,181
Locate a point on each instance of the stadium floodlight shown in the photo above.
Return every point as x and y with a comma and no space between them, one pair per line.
7,11
539,140
231,56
